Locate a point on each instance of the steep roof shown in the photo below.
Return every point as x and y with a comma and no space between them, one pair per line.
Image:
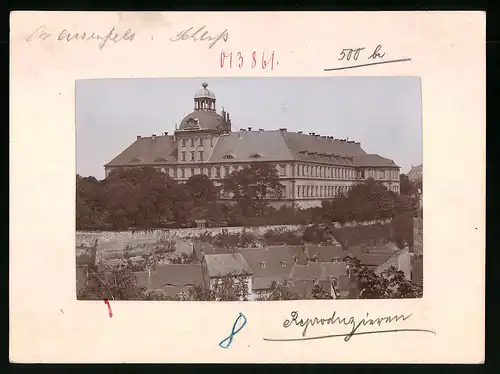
269,145
318,270
301,142
174,275
278,260
374,160
226,264
159,150
325,253
242,146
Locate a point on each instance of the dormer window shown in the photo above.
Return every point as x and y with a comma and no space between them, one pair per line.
135,159
255,155
295,259
263,264
161,159
283,263
228,157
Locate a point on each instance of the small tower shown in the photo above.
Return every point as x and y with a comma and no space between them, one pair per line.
204,99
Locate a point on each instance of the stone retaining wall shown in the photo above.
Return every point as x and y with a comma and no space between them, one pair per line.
117,240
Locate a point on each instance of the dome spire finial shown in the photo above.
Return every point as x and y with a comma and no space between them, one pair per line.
204,84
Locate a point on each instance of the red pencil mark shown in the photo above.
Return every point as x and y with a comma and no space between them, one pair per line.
255,60
109,308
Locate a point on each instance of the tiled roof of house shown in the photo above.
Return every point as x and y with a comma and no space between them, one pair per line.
201,248
318,270
226,264
374,160
173,275
272,263
324,253
159,150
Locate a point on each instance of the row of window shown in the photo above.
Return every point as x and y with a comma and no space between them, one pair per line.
395,188
189,172
192,156
192,141
321,191
325,172
379,174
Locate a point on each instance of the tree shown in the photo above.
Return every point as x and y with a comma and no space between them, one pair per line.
142,198
391,284
281,291
111,284
89,210
319,293
201,189
229,288
250,185
406,187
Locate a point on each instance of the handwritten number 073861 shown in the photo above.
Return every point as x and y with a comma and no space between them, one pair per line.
263,60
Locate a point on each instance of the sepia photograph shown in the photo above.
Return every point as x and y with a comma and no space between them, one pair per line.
249,189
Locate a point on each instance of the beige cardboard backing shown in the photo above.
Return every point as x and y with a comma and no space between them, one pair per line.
47,324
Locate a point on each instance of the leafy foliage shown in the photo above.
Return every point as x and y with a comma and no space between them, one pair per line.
391,284
230,288
144,198
250,185
319,293
281,291
111,284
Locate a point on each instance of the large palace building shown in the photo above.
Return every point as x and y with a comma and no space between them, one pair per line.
312,167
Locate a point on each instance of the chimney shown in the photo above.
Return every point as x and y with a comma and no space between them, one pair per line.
312,133
138,136
249,129
283,131
261,131
242,132
165,133
153,136
300,132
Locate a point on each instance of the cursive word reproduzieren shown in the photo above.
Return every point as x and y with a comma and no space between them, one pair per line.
351,322
113,35
201,34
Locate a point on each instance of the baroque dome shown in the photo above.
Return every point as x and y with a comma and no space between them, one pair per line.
202,120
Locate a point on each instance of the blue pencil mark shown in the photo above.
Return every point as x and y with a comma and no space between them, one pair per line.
226,343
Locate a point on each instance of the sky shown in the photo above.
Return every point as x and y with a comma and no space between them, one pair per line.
383,113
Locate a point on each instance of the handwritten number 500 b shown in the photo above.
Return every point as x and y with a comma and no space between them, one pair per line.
348,53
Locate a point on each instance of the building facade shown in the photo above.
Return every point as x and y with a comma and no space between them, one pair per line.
311,167
415,173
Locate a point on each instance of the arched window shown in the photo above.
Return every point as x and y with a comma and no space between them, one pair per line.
228,157
255,155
